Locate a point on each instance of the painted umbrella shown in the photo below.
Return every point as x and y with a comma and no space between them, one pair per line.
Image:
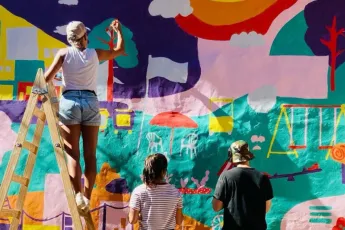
173,120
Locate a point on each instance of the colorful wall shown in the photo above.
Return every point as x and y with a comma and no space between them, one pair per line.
199,74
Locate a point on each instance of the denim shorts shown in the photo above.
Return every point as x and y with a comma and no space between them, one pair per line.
79,107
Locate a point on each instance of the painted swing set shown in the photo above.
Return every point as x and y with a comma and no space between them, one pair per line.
290,126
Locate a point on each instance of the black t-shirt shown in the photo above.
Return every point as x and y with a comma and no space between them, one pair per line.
244,192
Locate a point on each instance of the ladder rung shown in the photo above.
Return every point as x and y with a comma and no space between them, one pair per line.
21,180
325,147
10,213
40,114
30,146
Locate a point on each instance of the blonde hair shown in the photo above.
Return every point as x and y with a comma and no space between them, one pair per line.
75,31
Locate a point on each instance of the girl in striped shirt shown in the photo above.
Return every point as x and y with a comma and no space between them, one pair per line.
156,202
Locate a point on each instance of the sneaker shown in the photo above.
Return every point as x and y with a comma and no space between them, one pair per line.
87,202
82,207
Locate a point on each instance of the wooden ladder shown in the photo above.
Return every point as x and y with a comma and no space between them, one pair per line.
46,113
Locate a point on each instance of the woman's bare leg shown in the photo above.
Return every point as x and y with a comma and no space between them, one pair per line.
71,136
90,139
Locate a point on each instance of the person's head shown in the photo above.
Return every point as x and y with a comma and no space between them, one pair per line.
77,34
155,169
239,153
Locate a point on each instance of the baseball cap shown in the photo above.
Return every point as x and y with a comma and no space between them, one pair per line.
240,152
75,30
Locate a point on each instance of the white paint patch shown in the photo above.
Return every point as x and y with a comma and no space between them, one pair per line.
170,70
170,8
256,138
245,40
256,147
54,196
46,53
61,30
7,135
22,43
102,80
262,99
116,80
114,216
69,2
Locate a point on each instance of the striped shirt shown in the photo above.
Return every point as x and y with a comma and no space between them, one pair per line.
157,206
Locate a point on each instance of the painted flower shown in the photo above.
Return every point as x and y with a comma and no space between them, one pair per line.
340,225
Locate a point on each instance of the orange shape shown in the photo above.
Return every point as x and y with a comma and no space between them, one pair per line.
338,153
99,194
228,0
191,224
228,12
33,206
195,27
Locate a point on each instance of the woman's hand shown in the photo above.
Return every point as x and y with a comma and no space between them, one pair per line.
116,26
119,50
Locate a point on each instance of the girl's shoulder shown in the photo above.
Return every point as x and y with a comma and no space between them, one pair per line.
139,188
172,188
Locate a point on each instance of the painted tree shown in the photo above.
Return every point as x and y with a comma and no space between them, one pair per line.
326,34
331,45
103,37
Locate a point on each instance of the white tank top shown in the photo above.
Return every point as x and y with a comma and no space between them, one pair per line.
79,69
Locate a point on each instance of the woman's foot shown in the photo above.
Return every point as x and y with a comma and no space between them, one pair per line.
83,207
87,202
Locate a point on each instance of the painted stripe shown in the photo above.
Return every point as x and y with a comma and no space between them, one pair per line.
320,207
320,214
320,220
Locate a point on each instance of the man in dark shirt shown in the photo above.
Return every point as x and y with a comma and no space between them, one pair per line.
243,192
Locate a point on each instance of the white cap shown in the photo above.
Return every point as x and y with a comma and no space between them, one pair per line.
75,30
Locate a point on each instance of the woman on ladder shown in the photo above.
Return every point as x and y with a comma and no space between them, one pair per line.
79,107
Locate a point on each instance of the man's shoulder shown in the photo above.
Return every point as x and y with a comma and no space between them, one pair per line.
239,170
229,174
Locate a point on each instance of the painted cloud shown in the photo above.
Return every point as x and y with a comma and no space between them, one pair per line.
170,9
262,99
256,138
245,40
68,2
60,30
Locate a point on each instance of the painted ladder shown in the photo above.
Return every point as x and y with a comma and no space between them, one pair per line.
47,112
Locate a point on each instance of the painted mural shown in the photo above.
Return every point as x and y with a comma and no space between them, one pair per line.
198,75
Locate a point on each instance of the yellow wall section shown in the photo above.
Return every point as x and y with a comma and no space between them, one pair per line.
40,227
7,70
44,40
6,92
51,45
